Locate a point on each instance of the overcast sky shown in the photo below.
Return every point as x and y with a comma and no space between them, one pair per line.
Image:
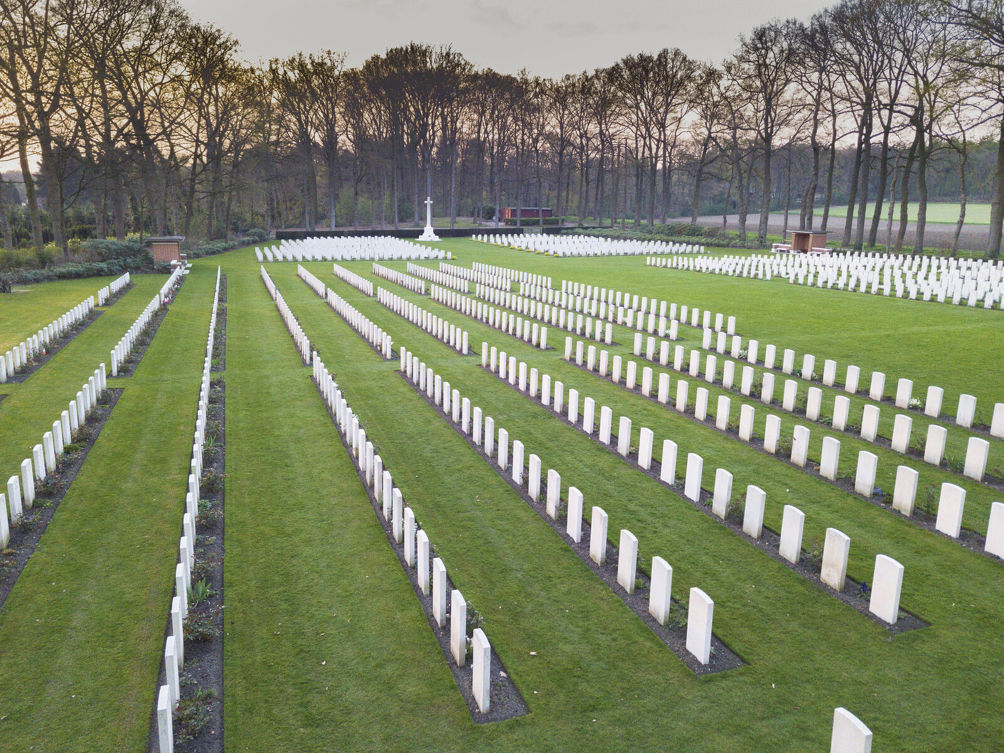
547,37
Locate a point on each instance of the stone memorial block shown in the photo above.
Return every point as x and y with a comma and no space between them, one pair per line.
997,422
388,494
692,483
746,414
663,396
678,354
667,465
615,372
165,716
573,406
769,354
579,352
950,506
695,363
573,525
424,550
977,451
455,406
545,390
397,516
645,441
722,413
627,560
835,551
646,381
753,351
995,530
559,397
438,591
771,433
64,422
553,493
841,411
722,493
588,413
788,361
849,734
829,372
829,459
517,462
482,669
533,479
700,613
660,590
681,395
489,434
932,404
905,490
598,536
934,447
813,403
458,627
808,366
864,478
409,536
49,450
902,427
869,422
877,388
27,484
789,394
966,411
887,583
792,525
767,388
710,369
756,500
728,374
852,379
904,391
800,446
746,381
701,404
503,454
606,419
38,461
476,426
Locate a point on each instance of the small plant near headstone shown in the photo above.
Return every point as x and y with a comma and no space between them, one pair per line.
915,403
192,716
200,625
733,425
814,555
198,592
784,447
677,619
735,509
212,481
216,380
210,513
70,448
864,590
743,355
954,463
46,487
204,566
881,496
928,501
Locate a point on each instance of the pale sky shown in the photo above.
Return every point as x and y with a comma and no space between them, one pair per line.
547,38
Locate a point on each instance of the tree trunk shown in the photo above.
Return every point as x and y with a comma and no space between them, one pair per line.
880,193
29,188
997,200
765,188
904,206
829,177
855,177
924,152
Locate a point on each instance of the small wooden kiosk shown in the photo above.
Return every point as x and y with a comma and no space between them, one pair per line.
166,248
807,242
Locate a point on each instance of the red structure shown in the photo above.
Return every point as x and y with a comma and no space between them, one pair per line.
526,213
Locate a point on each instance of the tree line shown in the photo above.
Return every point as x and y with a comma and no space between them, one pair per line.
144,120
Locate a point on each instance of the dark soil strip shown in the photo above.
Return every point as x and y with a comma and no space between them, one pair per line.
25,535
674,633
925,508
198,718
54,347
991,479
113,299
219,362
506,702
809,563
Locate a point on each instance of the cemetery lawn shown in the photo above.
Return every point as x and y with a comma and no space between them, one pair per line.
326,646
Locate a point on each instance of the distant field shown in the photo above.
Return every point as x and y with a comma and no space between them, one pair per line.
940,212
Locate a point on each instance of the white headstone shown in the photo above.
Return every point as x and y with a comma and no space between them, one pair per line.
627,560
660,590
951,504
887,583
849,734
700,614
836,548
598,536
792,525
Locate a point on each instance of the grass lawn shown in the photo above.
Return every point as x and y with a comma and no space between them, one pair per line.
327,648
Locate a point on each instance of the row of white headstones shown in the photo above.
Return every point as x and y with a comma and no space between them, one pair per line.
113,288
440,328
356,281
174,646
481,429
576,244
21,490
44,456
21,356
634,313
572,321
977,450
120,352
980,282
413,284
514,275
416,544
952,497
888,574
504,321
353,248
370,332
438,277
